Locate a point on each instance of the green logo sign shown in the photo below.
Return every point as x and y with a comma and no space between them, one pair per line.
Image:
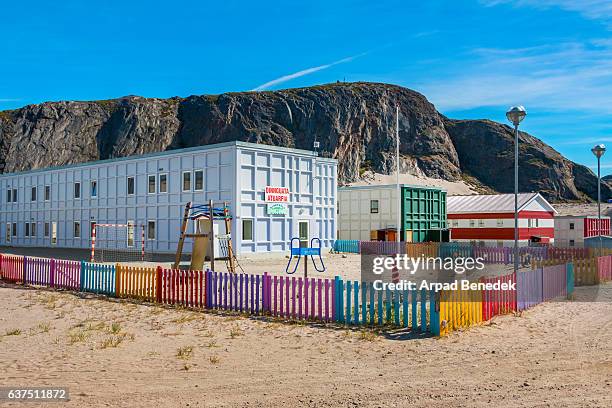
277,209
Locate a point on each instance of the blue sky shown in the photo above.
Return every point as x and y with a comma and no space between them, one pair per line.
471,58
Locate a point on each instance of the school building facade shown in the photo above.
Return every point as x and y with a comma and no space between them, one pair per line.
56,207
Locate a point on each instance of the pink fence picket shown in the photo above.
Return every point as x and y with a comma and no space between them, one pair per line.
604,268
498,301
554,282
37,271
66,274
11,268
299,298
179,287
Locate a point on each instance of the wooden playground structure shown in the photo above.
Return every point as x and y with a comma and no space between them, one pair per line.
204,237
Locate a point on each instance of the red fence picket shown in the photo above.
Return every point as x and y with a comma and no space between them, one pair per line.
11,268
180,287
604,268
496,302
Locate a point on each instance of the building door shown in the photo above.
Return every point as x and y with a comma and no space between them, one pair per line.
303,233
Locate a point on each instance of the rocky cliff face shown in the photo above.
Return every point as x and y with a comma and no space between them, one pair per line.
354,123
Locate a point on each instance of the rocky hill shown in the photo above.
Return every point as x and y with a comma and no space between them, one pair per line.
354,122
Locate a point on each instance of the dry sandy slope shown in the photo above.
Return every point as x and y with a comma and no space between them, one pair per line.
557,354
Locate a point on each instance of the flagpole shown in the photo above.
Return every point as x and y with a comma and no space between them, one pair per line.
397,169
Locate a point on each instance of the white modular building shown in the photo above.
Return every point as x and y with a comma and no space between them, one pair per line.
274,194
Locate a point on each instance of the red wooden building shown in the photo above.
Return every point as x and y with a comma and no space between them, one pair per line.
489,219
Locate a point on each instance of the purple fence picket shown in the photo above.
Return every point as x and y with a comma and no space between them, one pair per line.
554,282
38,271
529,288
67,274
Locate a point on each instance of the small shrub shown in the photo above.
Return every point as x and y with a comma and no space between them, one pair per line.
13,332
115,328
235,332
184,353
214,360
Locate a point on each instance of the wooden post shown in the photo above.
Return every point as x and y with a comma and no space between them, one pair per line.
212,235
179,249
228,231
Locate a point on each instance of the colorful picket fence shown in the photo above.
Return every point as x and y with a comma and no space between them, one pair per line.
459,309
604,268
66,274
179,287
295,298
98,278
529,288
347,245
500,300
11,267
136,282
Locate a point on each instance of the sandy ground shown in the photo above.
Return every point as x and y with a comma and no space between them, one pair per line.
112,353
583,209
452,187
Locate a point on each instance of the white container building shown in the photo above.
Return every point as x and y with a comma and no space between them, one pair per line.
56,207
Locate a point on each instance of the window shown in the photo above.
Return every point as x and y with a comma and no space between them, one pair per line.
130,233
199,180
54,233
500,223
47,193
33,229
571,225
8,232
481,223
186,181
247,229
14,229
77,230
131,188
9,195
571,242
151,230
456,223
500,244
33,194
27,229
92,227
77,190
46,228
373,206
14,195
94,188
151,184
472,223
163,183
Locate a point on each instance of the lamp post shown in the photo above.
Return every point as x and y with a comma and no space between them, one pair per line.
598,151
515,115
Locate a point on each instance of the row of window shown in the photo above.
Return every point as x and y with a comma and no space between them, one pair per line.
155,184
50,231
531,223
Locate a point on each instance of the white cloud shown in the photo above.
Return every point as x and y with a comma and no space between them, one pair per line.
591,9
304,72
567,76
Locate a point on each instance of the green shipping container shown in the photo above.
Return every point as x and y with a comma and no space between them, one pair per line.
424,212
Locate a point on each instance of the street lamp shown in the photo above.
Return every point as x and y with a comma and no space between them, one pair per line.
515,115
598,151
